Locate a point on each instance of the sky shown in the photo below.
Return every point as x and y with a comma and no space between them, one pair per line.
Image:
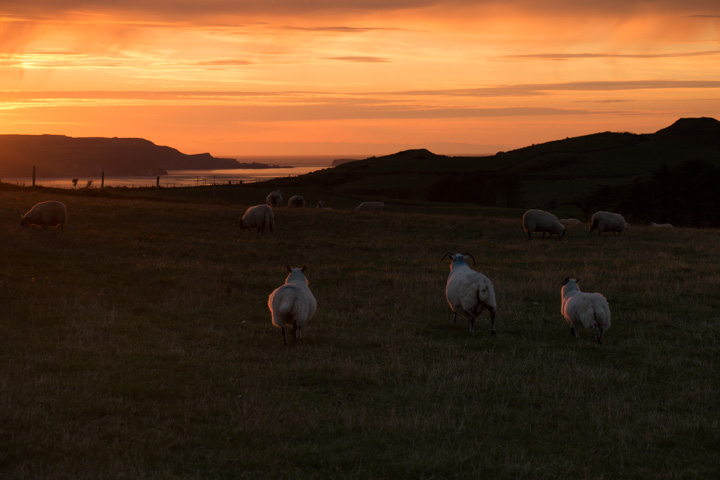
354,77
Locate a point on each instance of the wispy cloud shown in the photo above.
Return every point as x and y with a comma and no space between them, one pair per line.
360,59
224,62
580,56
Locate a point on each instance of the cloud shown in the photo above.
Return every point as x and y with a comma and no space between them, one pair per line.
224,62
528,89
580,56
360,59
292,8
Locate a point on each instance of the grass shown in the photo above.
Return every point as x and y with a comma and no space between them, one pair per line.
138,344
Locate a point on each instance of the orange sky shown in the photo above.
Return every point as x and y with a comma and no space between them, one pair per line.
285,77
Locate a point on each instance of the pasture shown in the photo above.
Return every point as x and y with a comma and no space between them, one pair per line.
138,345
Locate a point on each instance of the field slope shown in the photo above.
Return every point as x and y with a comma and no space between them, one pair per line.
138,344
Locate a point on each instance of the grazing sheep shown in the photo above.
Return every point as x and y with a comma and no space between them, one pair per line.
296,201
46,214
258,216
469,292
371,207
321,205
607,222
541,221
661,225
588,310
274,199
292,304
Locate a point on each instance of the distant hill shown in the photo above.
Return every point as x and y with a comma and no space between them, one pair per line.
547,175
59,155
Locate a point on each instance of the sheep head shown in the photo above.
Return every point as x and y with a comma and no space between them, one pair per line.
567,279
302,269
453,256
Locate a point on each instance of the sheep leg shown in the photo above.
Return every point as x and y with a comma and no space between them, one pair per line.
471,323
295,335
574,332
282,329
454,317
598,335
492,321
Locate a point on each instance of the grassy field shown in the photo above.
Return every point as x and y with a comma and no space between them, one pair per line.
138,345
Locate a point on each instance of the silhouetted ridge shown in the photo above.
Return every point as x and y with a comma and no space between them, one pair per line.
704,130
59,155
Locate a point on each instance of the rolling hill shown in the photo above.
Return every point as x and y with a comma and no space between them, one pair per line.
561,172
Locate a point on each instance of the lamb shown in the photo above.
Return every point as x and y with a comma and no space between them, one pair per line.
321,205
292,304
296,201
607,222
541,221
46,214
661,225
588,310
371,207
274,199
258,216
469,292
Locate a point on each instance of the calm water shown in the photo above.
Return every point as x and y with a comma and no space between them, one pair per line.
175,178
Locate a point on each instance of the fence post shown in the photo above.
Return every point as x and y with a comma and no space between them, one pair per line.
33,184
102,180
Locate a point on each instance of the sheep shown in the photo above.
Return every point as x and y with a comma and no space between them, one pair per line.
588,310
570,221
371,207
541,221
321,205
274,199
607,222
292,304
661,225
258,216
296,201
469,292
46,214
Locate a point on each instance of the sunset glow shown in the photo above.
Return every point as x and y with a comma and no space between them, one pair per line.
279,77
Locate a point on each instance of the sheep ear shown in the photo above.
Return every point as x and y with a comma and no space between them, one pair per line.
468,254
565,280
288,268
448,254
302,269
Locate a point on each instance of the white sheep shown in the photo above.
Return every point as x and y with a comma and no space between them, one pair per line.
661,225
542,221
371,207
321,205
292,304
588,310
469,292
607,222
274,199
296,201
259,217
46,214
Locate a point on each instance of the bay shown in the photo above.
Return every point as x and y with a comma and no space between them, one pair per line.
174,178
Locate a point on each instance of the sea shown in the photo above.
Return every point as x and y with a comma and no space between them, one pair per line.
282,167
